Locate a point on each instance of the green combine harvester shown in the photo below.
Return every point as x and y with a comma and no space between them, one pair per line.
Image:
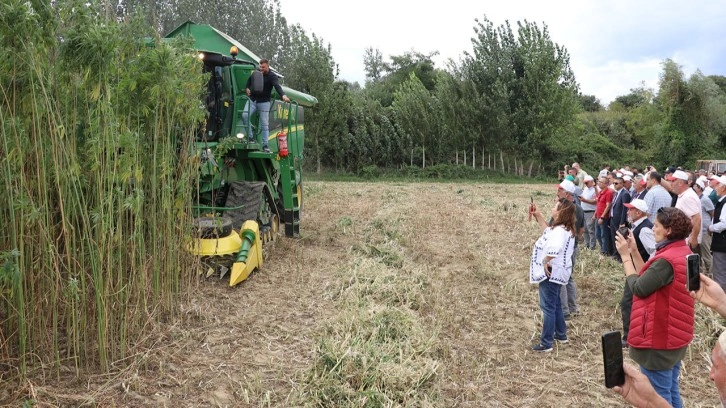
244,194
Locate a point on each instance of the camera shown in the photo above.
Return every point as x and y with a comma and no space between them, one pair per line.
624,231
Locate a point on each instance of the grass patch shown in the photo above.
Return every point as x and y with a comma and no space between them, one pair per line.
437,173
377,350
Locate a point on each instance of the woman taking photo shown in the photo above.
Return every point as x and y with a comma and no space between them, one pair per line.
661,323
551,267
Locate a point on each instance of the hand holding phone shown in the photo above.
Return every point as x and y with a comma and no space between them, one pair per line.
612,356
693,272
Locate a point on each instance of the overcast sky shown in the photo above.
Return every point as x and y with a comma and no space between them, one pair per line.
614,45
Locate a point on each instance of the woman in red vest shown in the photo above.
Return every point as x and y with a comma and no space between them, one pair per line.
661,323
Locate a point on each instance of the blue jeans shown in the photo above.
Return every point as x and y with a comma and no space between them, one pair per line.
553,320
665,383
603,237
264,110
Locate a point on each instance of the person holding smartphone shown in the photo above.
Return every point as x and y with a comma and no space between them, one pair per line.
551,267
662,317
637,389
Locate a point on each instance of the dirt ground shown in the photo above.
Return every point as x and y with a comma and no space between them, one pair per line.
253,345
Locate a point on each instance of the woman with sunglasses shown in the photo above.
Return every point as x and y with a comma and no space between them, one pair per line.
551,267
661,323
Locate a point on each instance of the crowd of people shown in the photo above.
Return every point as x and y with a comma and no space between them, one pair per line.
649,222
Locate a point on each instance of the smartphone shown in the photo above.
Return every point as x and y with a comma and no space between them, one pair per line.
693,265
624,231
612,357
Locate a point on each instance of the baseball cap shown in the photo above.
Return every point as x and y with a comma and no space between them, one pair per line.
643,182
588,178
670,169
603,173
627,178
678,174
701,183
567,185
638,204
569,177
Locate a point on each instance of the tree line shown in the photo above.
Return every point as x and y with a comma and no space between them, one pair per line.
514,96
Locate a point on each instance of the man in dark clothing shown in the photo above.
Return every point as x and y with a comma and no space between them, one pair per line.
642,230
259,90
618,212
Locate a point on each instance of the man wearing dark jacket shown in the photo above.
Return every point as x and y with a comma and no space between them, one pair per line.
618,212
259,90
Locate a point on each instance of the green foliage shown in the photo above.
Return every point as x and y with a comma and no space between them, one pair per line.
528,91
590,103
98,128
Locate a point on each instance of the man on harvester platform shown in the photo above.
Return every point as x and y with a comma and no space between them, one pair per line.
259,90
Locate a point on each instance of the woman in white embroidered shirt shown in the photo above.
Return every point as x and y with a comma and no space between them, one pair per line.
551,267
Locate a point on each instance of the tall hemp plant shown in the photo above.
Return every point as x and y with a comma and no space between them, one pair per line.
97,130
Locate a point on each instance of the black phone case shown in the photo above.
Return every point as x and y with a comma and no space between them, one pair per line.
612,357
693,268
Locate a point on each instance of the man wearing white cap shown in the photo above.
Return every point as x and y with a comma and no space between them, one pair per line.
718,229
713,181
628,184
689,203
707,207
639,190
642,230
588,200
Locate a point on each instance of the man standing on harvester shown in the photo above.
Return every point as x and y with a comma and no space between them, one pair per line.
259,90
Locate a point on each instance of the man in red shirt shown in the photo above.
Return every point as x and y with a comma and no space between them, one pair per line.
602,215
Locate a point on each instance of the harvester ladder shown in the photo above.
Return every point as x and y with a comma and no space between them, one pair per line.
291,170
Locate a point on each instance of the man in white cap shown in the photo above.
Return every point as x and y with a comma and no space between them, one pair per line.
628,184
639,190
718,238
713,181
642,230
689,203
568,293
707,208
588,201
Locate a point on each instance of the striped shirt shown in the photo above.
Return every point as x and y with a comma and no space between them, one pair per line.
657,198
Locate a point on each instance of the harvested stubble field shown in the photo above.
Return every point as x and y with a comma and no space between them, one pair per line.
396,295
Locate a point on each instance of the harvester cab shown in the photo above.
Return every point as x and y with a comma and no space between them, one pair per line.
243,194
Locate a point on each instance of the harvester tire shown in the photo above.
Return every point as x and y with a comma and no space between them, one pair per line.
211,227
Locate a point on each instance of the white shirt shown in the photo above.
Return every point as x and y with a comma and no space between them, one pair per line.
719,225
690,204
556,242
588,194
646,237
